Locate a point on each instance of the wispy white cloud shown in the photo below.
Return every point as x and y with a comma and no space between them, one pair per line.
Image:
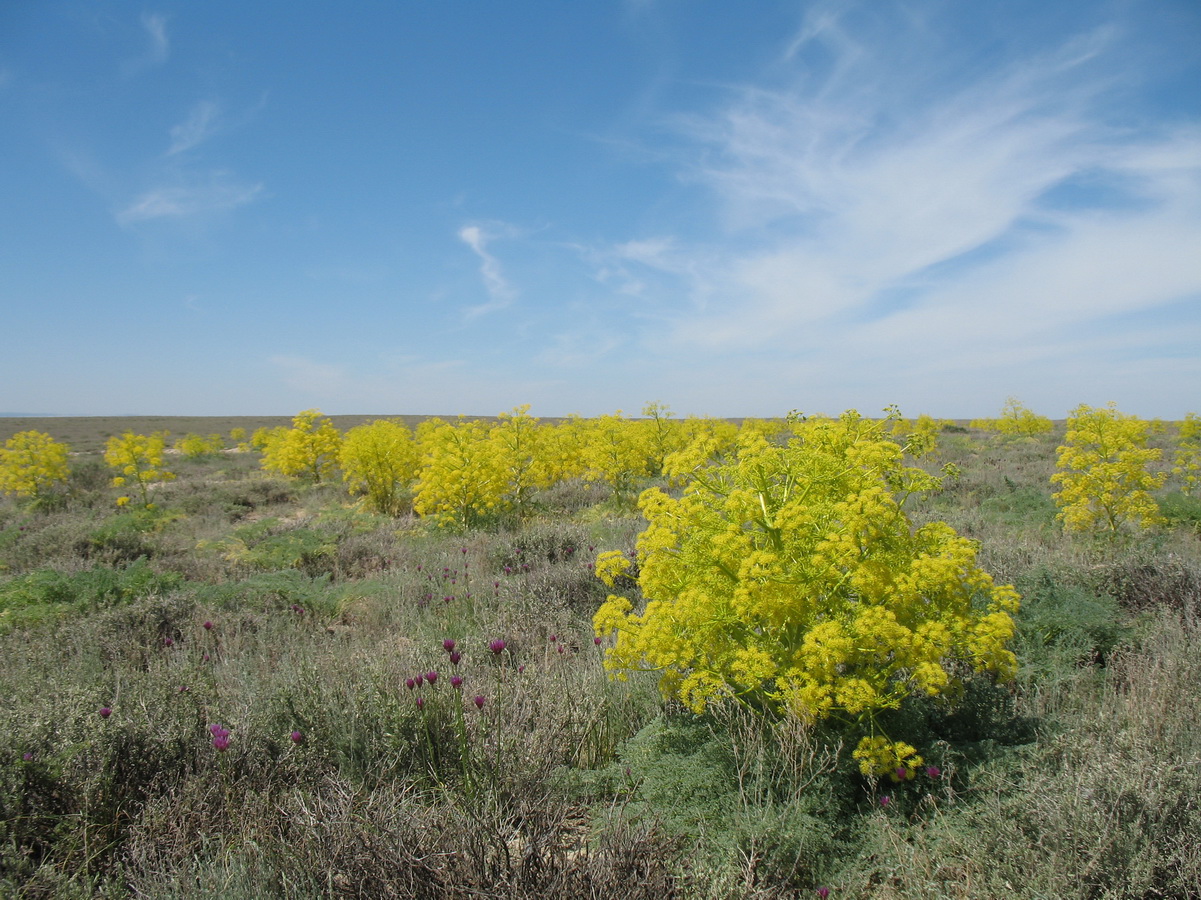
199,126
501,294
158,49
884,198
219,193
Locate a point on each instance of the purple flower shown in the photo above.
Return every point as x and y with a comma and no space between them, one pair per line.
479,701
208,626
206,657
933,771
421,703
431,677
456,682
823,892
902,772
410,683
553,638
220,737
455,656
448,645
105,712
297,737
521,668
562,649
885,800
420,679
183,688
596,640
28,757
496,645
168,642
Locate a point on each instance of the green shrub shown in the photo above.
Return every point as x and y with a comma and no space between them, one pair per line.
49,594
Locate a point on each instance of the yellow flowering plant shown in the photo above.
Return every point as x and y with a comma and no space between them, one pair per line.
31,463
138,460
379,460
1187,460
1103,472
1018,420
461,478
309,449
789,578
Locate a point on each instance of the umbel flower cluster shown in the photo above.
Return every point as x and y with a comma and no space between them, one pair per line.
789,577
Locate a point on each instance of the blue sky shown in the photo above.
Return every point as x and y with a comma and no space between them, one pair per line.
732,208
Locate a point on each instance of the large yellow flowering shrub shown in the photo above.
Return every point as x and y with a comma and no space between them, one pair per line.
309,449
32,462
379,460
790,578
1104,474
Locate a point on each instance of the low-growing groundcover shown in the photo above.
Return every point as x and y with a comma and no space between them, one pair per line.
267,693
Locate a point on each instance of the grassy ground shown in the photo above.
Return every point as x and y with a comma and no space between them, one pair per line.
276,611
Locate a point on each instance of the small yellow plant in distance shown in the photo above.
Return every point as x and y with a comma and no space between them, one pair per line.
138,458
1017,420
1104,476
790,579
31,463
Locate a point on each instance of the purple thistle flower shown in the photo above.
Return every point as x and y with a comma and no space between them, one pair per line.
448,645
220,737
410,683
479,701
208,626
421,703
206,657
105,712
902,772
28,757
596,640
823,892
933,771
420,679
521,668
168,642
455,656
496,645
553,638
431,677
885,800
297,737
456,682
562,649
